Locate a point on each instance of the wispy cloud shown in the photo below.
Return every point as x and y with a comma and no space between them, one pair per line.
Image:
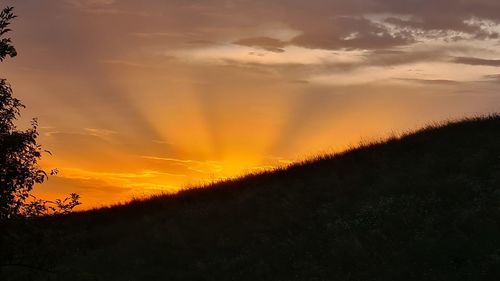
205,167
100,133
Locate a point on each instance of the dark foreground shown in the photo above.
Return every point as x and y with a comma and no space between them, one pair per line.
422,207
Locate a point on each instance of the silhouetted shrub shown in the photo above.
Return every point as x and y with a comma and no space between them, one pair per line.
20,152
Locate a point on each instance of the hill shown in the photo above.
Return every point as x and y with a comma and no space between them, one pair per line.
424,206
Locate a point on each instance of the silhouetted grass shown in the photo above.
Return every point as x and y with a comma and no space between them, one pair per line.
423,206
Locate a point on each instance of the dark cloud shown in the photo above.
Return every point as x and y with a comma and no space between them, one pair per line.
392,58
493,78
350,33
323,24
432,81
476,61
327,24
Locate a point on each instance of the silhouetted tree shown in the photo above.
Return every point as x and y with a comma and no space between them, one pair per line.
19,150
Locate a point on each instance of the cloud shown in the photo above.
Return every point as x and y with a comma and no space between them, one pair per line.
477,61
100,133
205,167
319,23
431,81
101,7
492,78
266,43
350,32
91,3
86,184
90,133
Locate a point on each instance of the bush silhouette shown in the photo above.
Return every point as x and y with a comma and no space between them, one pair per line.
20,151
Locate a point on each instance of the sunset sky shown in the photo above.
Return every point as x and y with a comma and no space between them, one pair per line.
140,97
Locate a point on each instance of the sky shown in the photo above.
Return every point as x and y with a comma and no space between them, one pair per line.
140,97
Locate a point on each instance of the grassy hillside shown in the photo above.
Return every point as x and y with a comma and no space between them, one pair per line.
425,206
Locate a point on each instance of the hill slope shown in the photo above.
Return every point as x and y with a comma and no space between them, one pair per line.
421,207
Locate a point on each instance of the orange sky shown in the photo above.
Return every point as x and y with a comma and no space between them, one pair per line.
140,97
